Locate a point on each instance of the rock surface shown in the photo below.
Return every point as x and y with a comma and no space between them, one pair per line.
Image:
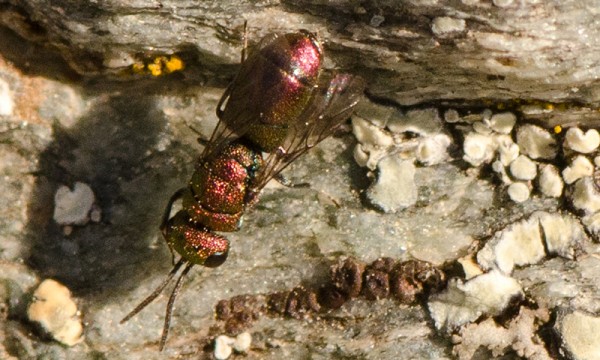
114,94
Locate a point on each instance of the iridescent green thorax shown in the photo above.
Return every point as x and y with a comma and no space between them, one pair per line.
282,75
219,188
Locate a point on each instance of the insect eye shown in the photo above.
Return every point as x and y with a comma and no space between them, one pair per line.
216,259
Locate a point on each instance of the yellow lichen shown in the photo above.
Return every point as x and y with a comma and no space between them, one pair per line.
155,68
138,68
174,64
557,129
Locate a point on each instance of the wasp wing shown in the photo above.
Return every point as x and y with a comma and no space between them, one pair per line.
240,104
332,102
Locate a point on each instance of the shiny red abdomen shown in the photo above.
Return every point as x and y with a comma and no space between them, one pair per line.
274,86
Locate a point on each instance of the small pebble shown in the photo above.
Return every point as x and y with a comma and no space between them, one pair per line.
223,349
224,345
242,342
376,20
586,143
518,192
55,311
73,207
523,168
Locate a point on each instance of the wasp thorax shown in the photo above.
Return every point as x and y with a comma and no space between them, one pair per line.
219,187
195,244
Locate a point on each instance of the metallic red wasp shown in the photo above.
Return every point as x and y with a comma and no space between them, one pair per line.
281,102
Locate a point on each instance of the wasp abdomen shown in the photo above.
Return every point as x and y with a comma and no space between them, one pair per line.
282,75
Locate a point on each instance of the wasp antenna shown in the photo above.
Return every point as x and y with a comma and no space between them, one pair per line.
245,41
155,293
167,214
167,325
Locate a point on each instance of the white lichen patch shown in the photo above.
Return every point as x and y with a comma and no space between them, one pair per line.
549,181
523,168
452,116
581,142
421,121
518,192
433,150
395,188
502,3
478,148
367,132
507,150
444,25
482,128
392,143
72,207
55,311
374,142
580,166
579,334
592,224
585,196
502,123
499,168
464,302
525,242
520,336
563,233
536,142
470,267
518,244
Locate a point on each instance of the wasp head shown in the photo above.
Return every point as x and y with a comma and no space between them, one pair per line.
194,242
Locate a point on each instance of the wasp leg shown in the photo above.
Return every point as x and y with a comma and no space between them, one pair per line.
167,215
288,183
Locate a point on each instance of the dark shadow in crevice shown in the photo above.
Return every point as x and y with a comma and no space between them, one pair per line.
113,150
